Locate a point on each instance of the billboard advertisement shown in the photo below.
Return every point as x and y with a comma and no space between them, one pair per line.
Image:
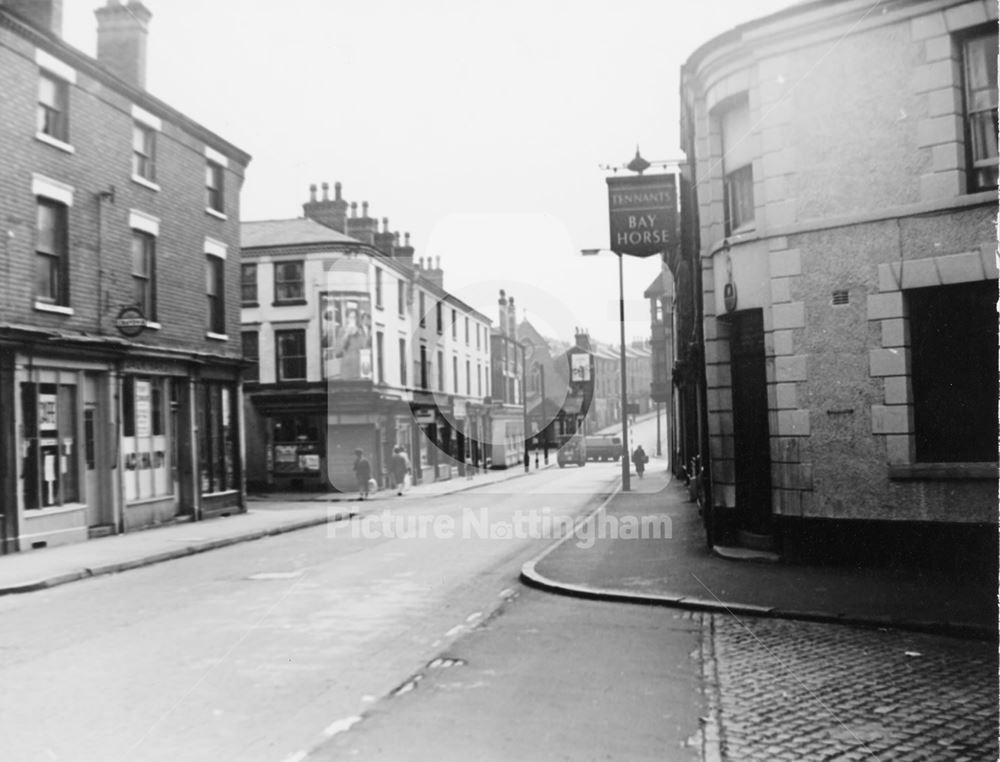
346,335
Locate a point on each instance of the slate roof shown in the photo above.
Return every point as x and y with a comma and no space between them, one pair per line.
258,234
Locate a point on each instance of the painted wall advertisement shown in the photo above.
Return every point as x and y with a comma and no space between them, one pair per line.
346,335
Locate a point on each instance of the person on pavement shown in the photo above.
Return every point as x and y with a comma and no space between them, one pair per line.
362,471
400,467
639,458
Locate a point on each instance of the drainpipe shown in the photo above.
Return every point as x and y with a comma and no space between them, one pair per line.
102,196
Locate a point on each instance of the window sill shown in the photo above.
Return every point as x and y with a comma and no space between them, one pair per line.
943,471
57,308
54,142
215,213
140,180
289,303
216,336
54,510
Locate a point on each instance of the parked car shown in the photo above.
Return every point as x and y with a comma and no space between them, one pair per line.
604,447
573,451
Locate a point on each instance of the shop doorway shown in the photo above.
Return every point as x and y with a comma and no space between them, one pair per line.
96,461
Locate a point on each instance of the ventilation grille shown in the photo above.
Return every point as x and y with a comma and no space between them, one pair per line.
841,297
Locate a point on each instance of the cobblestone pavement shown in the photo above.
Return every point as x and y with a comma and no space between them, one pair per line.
783,690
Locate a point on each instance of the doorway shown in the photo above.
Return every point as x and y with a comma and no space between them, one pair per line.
751,433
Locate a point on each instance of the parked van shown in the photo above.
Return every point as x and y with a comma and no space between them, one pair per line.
604,448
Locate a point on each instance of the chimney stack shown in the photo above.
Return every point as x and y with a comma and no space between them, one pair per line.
385,241
332,213
433,271
511,318
404,253
121,40
362,228
583,339
502,312
43,14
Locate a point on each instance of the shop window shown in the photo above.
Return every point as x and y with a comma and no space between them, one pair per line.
979,58
145,450
953,354
144,273
251,353
51,252
289,282
53,107
298,447
50,471
248,285
290,348
217,436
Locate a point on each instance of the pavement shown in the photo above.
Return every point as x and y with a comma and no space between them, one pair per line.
266,515
608,558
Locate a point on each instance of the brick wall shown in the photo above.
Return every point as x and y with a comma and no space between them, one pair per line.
100,132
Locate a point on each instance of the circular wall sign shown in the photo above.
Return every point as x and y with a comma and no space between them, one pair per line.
130,321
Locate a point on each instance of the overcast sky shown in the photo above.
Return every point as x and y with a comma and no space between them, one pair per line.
477,126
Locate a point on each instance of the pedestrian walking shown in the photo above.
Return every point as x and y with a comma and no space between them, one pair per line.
400,468
639,458
362,472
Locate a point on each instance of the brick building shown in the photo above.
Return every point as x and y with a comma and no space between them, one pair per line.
844,164
120,381
357,346
506,440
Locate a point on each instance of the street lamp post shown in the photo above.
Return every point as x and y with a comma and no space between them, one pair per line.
626,475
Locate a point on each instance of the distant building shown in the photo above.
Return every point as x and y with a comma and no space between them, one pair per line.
506,441
119,355
664,352
356,348
844,166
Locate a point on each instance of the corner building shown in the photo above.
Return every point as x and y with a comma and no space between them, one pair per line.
119,321
843,157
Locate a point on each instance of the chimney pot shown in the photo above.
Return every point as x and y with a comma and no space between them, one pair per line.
364,209
354,209
385,224
312,192
326,191
407,238
336,191
395,238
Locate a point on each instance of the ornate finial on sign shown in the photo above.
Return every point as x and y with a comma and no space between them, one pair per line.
638,164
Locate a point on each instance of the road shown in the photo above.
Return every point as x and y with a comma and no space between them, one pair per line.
254,651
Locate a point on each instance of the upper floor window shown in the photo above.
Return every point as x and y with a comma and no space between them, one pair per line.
454,324
979,55
214,187
423,308
144,273
380,356
216,292
454,375
251,353
53,106
468,378
402,362
52,252
378,287
440,317
423,366
290,354
401,296
467,330
248,283
737,165
144,152
440,384
289,281
478,344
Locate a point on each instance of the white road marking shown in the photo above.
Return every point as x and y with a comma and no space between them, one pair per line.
454,630
342,725
473,617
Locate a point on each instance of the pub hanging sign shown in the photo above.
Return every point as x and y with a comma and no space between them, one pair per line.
643,214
